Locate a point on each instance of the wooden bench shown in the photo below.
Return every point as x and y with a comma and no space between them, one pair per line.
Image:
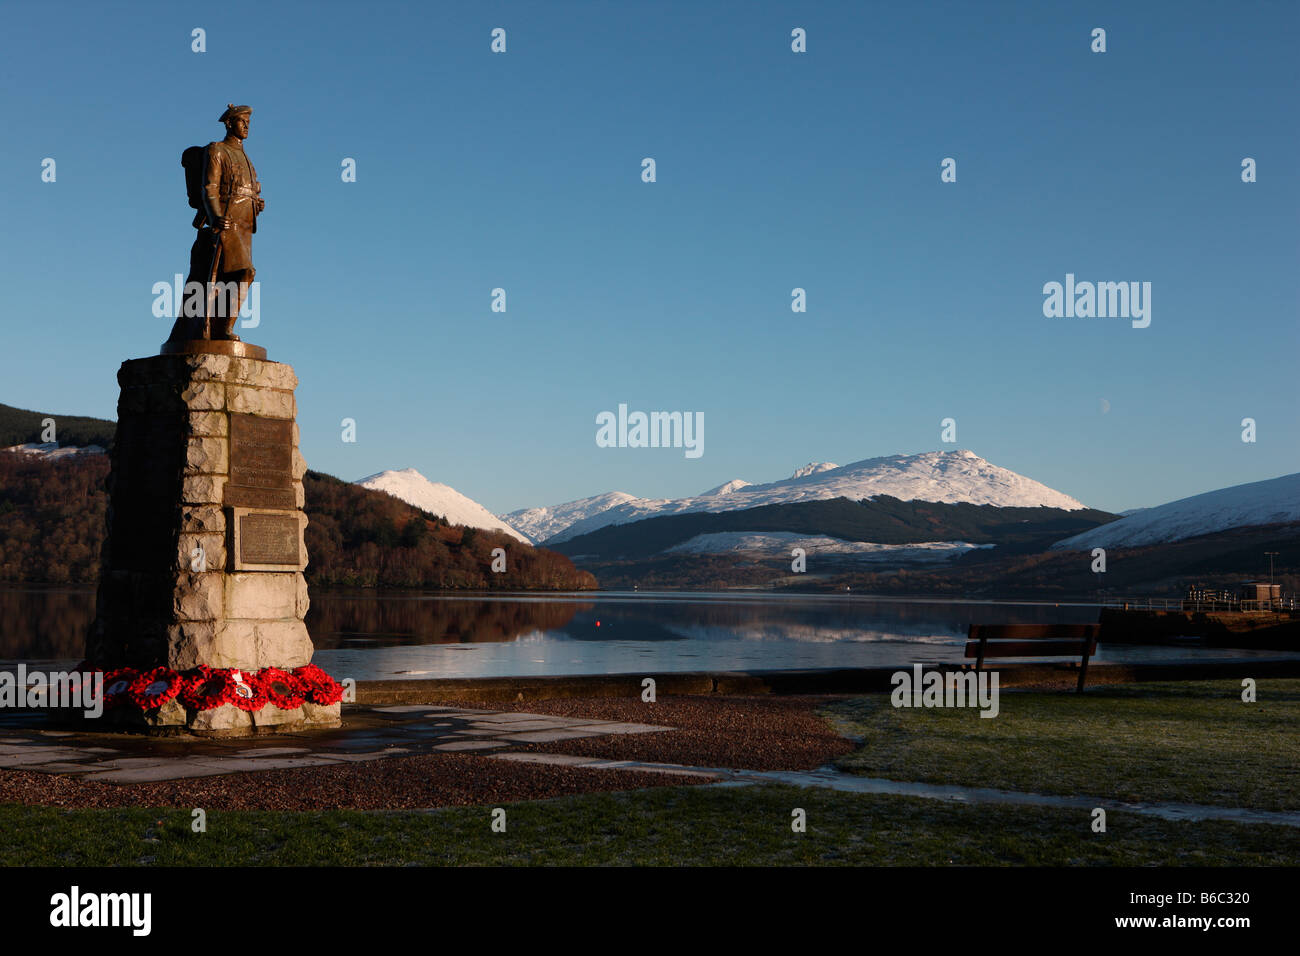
1033,640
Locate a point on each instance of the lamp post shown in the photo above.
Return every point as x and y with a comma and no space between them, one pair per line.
1271,556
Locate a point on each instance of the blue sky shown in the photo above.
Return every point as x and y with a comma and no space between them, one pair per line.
775,170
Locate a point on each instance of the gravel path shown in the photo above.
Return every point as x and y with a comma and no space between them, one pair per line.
752,733
394,783
747,733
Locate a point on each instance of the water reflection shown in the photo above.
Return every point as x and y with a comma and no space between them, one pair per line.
45,623
368,634
342,619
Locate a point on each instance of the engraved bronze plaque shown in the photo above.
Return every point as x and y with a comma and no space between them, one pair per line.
268,539
261,462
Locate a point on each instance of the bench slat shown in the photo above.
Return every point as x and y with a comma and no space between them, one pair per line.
1031,632
1031,648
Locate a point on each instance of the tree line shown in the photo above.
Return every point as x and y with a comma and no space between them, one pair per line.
52,531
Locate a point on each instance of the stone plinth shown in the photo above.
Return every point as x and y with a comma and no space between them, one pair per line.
204,555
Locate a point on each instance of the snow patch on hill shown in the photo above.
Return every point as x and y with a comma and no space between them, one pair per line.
52,452
735,484
783,542
813,468
1273,501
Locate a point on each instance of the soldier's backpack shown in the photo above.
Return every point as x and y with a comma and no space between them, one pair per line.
193,160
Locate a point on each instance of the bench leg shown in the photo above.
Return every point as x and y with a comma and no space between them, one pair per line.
1083,672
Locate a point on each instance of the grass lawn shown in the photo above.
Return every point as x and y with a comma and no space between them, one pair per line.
1194,742
669,826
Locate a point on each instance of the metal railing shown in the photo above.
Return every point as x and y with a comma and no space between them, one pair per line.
1197,605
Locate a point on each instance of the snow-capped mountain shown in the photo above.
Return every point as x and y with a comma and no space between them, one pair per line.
439,499
541,523
1259,502
735,484
950,477
813,468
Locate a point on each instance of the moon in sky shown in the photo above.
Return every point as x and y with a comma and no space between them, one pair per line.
1105,406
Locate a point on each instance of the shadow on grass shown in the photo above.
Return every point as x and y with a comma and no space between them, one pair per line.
1188,742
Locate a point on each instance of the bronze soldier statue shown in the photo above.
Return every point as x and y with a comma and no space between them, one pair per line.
224,189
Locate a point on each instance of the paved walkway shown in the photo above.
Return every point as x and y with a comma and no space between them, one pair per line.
835,780
370,734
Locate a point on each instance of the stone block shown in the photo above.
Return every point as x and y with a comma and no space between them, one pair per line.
303,602
203,519
235,645
328,714
283,644
227,717
244,645
198,596
170,714
165,399
204,396
203,489
204,367
209,424
190,644
269,403
133,400
270,716
245,371
207,456
261,595
214,552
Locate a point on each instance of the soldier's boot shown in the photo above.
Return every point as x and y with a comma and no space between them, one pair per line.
228,329
224,328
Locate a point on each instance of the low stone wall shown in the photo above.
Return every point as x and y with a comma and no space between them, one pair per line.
1263,630
867,680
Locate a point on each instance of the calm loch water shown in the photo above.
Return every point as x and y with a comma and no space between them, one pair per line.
370,635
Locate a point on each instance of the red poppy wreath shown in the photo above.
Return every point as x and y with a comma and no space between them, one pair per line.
117,686
320,688
153,688
207,688
249,694
282,688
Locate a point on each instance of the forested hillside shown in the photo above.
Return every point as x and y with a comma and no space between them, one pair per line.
52,530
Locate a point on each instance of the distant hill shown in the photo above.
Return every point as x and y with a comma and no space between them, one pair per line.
1218,560
438,499
51,517
882,520
1275,501
542,523
360,537
950,477
18,426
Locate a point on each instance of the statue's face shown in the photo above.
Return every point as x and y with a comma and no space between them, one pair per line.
238,126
